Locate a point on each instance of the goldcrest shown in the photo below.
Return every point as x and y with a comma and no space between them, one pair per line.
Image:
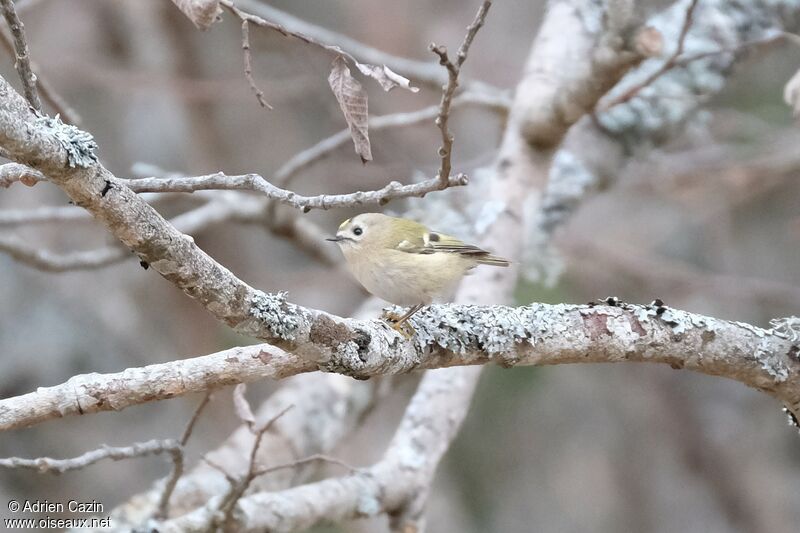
405,263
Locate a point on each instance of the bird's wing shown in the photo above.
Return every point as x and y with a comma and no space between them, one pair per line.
433,242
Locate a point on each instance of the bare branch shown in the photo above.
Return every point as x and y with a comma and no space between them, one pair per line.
177,463
671,61
302,432
424,72
412,456
264,23
22,62
49,261
14,172
302,160
240,485
453,70
242,406
43,215
49,94
221,209
248,67
92,393
59,466
254,182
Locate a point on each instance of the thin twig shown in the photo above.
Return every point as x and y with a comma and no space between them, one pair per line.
49,261
254,182
177,463
292,168
212,212
22,62
49,94
263,23
14,172
43,215
670,63
59,466
248,67
422,72
318,457
453,70
239,486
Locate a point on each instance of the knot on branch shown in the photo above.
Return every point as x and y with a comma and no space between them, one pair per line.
79,145
348,347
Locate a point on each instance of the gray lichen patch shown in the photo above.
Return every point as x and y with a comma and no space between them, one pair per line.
787,328
279,317
495,331
771,362
368,505
79,145
463,328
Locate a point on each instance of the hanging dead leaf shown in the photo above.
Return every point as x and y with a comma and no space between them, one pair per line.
386,77
791,93
352,100
242,406
203,13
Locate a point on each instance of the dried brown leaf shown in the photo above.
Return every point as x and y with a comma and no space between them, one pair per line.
203,13
352,100
649,42
386,77
791,93
242,406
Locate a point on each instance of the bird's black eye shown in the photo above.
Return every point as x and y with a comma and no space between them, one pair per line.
357,231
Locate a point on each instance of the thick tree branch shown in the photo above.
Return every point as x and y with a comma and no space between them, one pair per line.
598,149
453,335
91,393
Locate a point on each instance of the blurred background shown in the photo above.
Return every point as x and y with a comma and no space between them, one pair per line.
709,223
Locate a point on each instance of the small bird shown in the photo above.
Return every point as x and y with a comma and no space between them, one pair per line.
405,263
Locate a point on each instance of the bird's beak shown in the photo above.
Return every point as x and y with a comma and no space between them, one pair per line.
335,239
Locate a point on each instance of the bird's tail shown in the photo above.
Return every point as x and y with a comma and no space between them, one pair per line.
493,260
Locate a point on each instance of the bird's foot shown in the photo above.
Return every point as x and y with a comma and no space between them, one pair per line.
399,323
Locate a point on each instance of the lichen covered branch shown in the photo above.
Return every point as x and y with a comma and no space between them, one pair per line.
451,335
658,111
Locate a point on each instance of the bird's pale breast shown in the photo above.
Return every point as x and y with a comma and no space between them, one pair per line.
408,279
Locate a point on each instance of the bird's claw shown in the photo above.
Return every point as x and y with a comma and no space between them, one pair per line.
399,324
